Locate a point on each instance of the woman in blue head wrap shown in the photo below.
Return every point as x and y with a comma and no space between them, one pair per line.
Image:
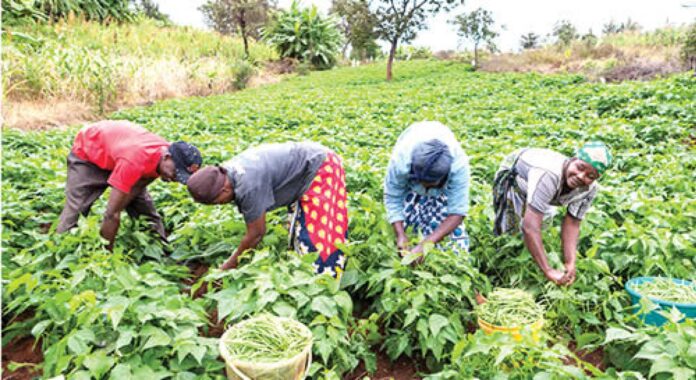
427,188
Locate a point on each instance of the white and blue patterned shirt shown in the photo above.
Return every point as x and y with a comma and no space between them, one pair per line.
397,183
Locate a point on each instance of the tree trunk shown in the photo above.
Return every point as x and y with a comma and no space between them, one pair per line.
475,56
392,53
245,38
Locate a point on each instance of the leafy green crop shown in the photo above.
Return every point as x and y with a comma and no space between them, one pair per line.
129,314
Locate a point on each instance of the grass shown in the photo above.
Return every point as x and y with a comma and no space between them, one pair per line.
103,67
615,57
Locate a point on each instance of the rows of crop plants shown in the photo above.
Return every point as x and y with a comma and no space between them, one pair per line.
131,313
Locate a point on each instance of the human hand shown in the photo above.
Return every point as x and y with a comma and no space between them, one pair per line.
554,275
402,242
569,276
231,263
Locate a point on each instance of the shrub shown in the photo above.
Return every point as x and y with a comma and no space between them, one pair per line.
305,35
242,71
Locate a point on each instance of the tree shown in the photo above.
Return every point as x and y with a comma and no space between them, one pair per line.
306,35
529,41
477,27
565,32
358,26
150,9
589,39
627,26
630,26
245,17
611,28
400,20
688,50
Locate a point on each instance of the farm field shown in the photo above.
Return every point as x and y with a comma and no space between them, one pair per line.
151,312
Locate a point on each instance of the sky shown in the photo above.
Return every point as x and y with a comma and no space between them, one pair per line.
513,17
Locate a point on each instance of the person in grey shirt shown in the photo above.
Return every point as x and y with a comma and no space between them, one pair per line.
532,182
306,176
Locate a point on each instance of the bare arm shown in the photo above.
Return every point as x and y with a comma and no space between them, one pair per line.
448,225
401,238
570,231
252,238
531,229
445,228
118,200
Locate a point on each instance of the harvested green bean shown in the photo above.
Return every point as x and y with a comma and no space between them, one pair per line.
267,339
667,290
510,308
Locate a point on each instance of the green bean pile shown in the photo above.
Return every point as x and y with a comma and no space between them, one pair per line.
667,290
267,339
510,308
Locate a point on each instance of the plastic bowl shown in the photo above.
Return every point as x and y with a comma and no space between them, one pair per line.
490,328
653,317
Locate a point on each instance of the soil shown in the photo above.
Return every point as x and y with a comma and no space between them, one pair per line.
215,329
197,270
403,368
22,350
596,357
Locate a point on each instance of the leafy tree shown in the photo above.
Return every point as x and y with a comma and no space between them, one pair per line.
400,20
477,27
306,35
529,40
245,17
630,26
688,51
611,28
627,26
358,25
565,32
589,39
150,9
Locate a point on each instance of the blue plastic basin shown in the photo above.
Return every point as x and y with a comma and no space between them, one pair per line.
653,318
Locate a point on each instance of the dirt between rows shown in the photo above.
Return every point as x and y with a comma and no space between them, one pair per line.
22,350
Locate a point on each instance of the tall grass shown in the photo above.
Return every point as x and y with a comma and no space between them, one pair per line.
106,66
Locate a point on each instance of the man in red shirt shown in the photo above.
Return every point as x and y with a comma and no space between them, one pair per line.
126,157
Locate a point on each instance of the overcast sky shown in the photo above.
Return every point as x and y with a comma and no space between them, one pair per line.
517,16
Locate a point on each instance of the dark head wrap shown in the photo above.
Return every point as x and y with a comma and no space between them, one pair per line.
431,161
206,184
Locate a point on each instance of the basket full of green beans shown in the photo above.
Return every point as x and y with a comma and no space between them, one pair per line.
510,310
667,293
267,347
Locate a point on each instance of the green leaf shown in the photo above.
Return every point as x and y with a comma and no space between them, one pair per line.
40,327
436,322
125,337
614,333
682,373
284,309
662,364
98,363
325,306
114,308
157,337
344,301
121,372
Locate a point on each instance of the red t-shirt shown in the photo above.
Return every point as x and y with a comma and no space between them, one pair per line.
130,151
